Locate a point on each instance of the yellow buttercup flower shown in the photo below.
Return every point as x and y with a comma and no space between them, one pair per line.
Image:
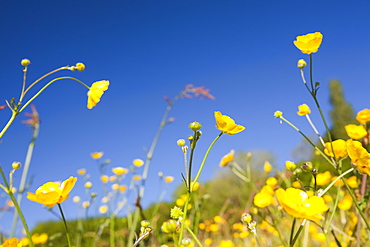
119,170
359,156
138,162
355,131
39,238
12,243
168,179
263,199
104,179
97,155
309,43
96,92
267,167
299,204
363,116
81,171
346,203
122,188
352,182
323,178
303,110
339,146
226,243
272,182
226,124
52,193
227,158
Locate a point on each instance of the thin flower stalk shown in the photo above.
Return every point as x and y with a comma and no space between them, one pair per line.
359,210
193,184
16,111
65,225
314,129
36,127
307,139
17,207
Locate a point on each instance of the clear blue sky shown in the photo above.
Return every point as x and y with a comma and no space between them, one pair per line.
241,50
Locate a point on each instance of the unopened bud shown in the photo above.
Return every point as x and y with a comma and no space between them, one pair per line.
301,63
194,126
289,165
16,165
181,142
80,66
145,223
297,172
186,241
278,114
246,218
307,167
25,62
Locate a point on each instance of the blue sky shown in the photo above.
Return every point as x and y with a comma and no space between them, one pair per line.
241,50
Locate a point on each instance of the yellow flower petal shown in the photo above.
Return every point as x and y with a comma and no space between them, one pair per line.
52,193
227,158
96,92
303,110
299,204
226,124
309,43
363,116
355,131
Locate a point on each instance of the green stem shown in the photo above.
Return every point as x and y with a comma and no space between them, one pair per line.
65,225
21,216
24,175
192,148
298,233
11,120
204,160
356,203
193,235
307,139
111,230
333,210
292,231
42,77
184,218
48,84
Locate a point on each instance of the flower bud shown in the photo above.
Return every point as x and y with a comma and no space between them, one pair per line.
297,171
246,218
307,167
181,142
194,126
301,63
290,166
278,114
314,171
145,223
93,195
80,66
25,62
88,185
16,165
186,241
